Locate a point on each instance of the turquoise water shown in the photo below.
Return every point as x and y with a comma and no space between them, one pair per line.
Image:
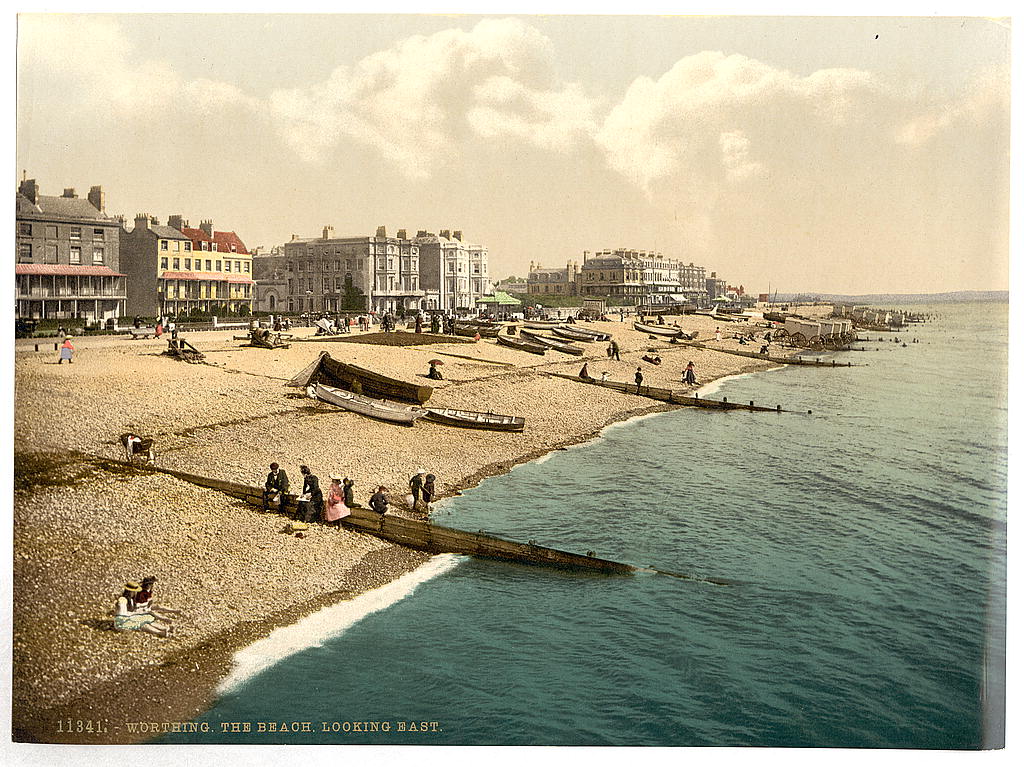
866,542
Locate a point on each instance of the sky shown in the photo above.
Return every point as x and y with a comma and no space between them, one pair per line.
827,154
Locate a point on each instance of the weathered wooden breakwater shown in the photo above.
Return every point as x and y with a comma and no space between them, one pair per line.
817,363
667,395
424,535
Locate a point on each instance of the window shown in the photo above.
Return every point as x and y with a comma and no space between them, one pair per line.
25,229
76,255
50,256
51,232
176,263
188,246
302,266
246,265
218,266
177,245
227,266
76,233
238,266
97,255
163,244
348,264
327,284
163,263
337,283
209,265
24,252
233,248
97,235
188,264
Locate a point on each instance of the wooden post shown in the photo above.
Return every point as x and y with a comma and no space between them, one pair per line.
37,347
751,403
778,408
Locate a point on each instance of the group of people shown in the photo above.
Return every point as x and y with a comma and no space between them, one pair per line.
136,611
312,505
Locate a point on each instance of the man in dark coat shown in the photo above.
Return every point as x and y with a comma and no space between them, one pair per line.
312,509
639,378
277,482
613,349
379,501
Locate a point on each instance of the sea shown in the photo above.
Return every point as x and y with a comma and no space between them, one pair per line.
862,534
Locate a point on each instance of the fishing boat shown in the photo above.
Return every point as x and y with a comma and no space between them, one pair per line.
541,324
574,335
471,330
471,419
374,408
522,345
327,370
597,335
657,330
552,343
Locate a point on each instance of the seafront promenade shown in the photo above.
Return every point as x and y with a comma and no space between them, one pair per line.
82,528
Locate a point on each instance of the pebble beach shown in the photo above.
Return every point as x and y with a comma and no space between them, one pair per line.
85,523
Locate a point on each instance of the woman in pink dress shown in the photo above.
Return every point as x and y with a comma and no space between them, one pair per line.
336,508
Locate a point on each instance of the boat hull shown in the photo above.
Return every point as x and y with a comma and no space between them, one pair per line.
383,411
524,346
470,419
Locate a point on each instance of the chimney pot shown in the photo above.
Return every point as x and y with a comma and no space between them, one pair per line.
70,192
30,189
457,235
207,227
175,222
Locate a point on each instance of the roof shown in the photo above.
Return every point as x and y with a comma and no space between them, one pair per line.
66,269
166,232
501,298
62,207
222,240
550,270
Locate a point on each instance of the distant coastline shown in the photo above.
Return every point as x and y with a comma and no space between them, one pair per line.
895,299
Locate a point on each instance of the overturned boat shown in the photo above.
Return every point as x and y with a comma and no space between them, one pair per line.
329,371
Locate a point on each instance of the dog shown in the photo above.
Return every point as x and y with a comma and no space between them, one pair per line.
134,445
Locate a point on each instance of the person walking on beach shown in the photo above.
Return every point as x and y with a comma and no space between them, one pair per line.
416,487
718,334
613,349
67,351
428,490
126,618
379,501
689,376
336,508
275,488
311,506
419,323
639,378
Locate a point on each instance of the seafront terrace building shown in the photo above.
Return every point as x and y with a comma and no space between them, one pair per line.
640,277
454,269
68,253
175,270
558,281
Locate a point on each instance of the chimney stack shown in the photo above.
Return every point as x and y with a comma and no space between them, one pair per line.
328,231
457,235
295,237
69,192
446,233
142,221
30,190
382,231
207,226
531,266
402,234
421,233
175,222
586,255
97,198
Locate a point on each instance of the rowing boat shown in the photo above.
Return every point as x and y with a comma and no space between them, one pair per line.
574,335
657,330
471,330
471,419
374,408
552,343
522,345
325,369
541,324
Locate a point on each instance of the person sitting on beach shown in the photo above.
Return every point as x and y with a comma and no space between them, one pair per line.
126,618
144,601
348,489
604,376
275,488
434,372
764,349
311,502
379,501
336,508
584,373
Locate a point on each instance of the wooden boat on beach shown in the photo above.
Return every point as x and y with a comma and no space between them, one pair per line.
471,330
380,409
597,335
541,324
521,344
657,330
573,335
552,343
327,370
471,419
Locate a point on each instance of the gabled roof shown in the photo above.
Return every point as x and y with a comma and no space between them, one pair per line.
225,240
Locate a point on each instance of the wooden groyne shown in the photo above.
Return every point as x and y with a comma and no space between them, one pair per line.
767,358
424,535
668,395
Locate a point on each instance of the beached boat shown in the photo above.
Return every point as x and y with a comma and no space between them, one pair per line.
471,419
522,344
374,408
597,335
574,335
657,330
541,324
327,370
552,343
471,330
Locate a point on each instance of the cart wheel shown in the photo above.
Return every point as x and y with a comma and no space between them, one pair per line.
798,339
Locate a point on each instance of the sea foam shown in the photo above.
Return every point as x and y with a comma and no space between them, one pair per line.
325,624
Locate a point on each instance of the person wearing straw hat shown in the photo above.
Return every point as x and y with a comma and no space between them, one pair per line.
336,508
126,618
434,372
